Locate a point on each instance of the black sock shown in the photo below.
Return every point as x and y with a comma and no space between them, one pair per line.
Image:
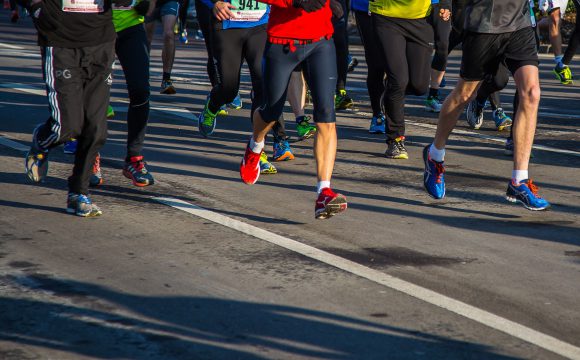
166,75
433,92
299,119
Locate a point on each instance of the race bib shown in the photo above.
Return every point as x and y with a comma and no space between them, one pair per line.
83,6
130,7
248,10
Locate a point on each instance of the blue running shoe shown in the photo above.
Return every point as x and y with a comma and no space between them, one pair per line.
81,205
282,151
70,147
206,121
501,119
433,177
526,193
265,166
377,124
36,162
236,103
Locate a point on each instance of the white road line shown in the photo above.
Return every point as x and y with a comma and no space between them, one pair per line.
481,316
24,88
12,144
11,46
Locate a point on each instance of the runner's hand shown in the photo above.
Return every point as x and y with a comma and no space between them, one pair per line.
336,8
445,14
444,9
309,5
221,10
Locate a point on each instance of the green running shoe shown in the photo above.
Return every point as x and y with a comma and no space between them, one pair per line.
304,129
564,75
206,121
342,101
110,112
265,166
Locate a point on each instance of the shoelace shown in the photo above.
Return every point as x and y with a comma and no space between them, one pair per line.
533,188
440,171
138,165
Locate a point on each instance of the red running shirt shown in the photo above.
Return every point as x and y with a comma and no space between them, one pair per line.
289,23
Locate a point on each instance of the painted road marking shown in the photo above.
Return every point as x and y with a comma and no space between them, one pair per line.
8,46
471,312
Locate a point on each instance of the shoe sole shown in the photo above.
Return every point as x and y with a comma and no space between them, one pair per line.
138,184
35,173
285,157
398,157
514,200
335,206
169,91
504,125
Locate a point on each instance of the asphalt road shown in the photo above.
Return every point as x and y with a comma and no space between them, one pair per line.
238,272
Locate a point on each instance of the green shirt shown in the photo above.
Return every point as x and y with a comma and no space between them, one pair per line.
125,18
403,9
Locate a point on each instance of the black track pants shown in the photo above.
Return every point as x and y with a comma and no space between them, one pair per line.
78,83
204,20
133,54
442,31
374,58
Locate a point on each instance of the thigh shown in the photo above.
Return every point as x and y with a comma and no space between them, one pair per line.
321,74
393,44
418,53
279,63
254,52
373,50
132,51
228,54
169,13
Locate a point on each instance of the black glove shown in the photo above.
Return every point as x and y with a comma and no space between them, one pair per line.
41,21
123,3
309,5
142,7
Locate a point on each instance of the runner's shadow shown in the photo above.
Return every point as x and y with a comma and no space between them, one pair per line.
92,320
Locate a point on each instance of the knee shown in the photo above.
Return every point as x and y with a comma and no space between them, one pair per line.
397,85
168,36
139,97
418,89
530,95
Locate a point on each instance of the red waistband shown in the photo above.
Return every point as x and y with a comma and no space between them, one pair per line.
293,42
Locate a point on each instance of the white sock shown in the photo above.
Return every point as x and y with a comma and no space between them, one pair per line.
321,185
436,154
558,60
255,146
519,175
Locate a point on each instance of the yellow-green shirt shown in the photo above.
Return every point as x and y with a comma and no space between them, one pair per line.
404,9
123,19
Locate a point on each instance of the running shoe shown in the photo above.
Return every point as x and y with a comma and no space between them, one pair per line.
434,175
250,167
329,204
236,103
282,151
443,82
36,159
81,205
70,147
352,63
564,74
183,37
508,148
110,112
501,119
304,129
342,101
474,113
14,16
136,170
433,104
526,193
377,124
96,178
167,87
223,111
308,96
266,167
396,149
206,121
199,35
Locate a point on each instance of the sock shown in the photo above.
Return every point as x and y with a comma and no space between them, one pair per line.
299,119
558,61
321,185
433,92
166,75
436,154
255,146
519,175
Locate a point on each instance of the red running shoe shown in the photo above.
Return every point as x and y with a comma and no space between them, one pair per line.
250,167
329,203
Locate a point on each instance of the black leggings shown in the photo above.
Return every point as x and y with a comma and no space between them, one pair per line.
442,30
204,19
340,37
374,58
183,6
133,53
407,56
574,39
